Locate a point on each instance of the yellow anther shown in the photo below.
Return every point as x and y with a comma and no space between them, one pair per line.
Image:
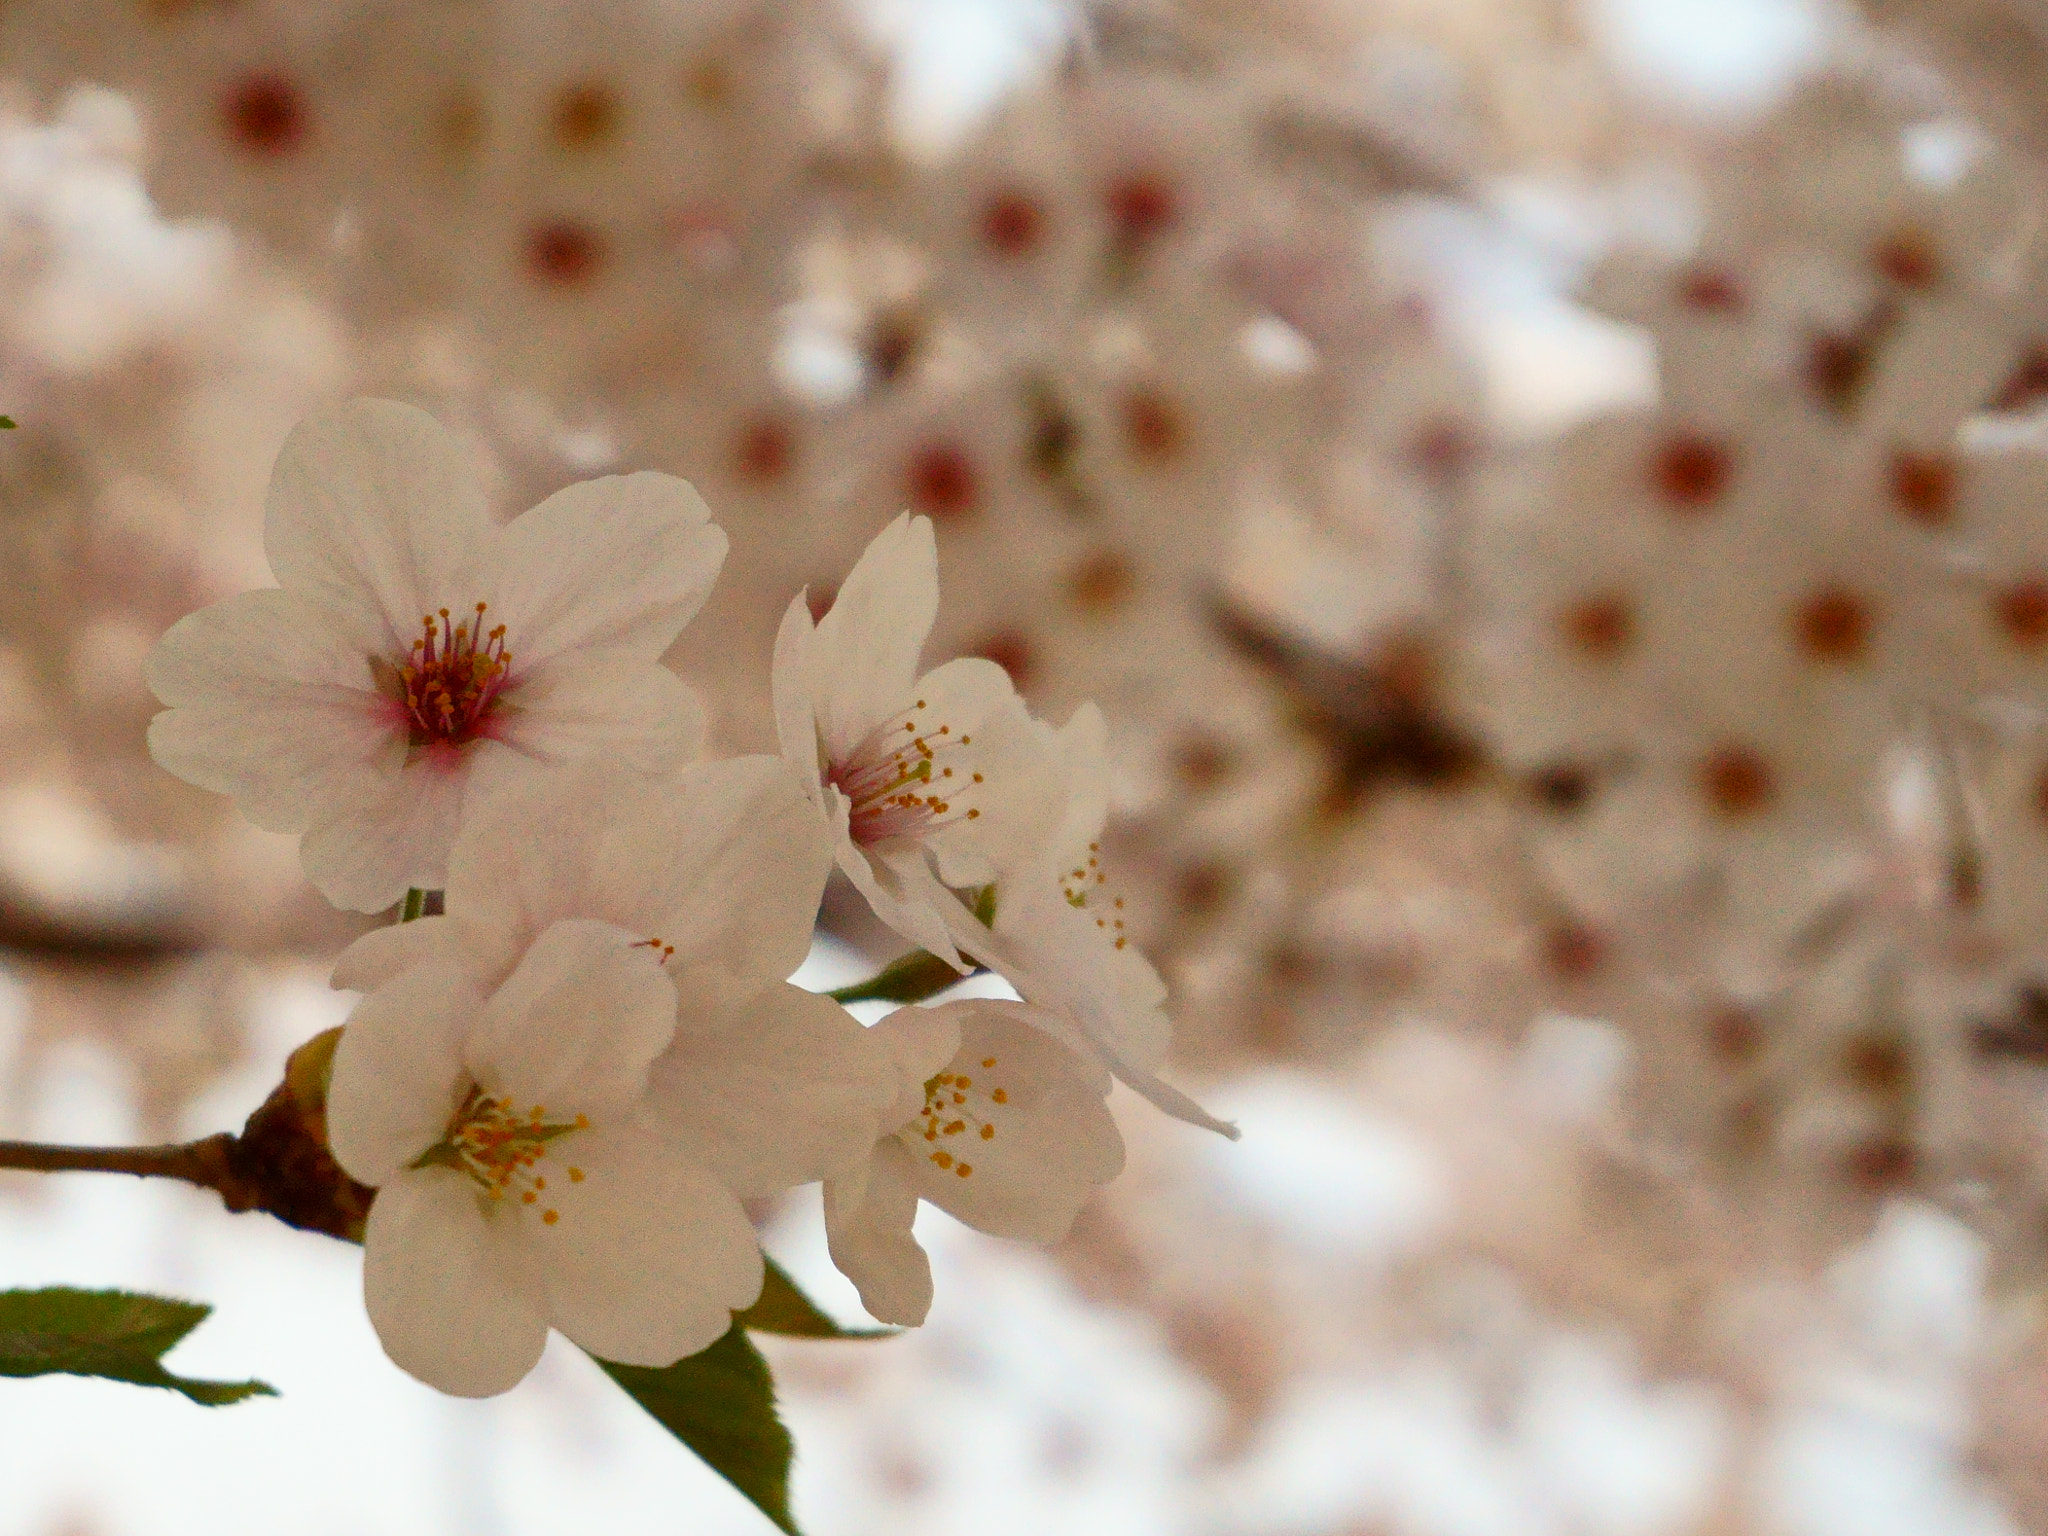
551,1217
988,1061
964,1169
1000,1097
943,1159
575,1175
988,1133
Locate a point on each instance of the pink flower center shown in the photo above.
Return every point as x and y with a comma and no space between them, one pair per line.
906,780
452,679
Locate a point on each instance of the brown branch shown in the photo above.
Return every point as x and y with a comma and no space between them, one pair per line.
196,1162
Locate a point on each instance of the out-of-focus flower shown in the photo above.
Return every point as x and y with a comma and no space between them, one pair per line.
928,782
1000,1125
563,1087
414,657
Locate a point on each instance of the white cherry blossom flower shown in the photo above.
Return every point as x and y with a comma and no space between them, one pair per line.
1000,1125
563,1088
1060,933
415,656
931,783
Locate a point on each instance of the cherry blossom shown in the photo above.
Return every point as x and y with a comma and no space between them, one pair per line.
563,1088
931,783
1063,936
414,657
1000,1125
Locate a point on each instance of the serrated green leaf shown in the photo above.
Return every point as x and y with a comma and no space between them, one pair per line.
117,1335
785,1309
721,1404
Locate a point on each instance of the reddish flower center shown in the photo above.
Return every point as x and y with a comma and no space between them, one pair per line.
452,679
906,779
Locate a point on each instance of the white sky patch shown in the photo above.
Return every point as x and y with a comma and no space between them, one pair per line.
1730,55
1326,1172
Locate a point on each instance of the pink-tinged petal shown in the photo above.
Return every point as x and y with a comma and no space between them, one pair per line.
252,649
285,766
796,718
634,711
1020,1137
271,706
454,1300
862,661
621,563
867,1231
395,836
398,1073
376,513
769,1086
648,1257
384,954
576,1025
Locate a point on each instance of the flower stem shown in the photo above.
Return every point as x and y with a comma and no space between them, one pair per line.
415,905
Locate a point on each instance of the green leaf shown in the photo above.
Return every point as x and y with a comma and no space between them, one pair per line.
6,422
721,1404
917,976
118,1335
785,1309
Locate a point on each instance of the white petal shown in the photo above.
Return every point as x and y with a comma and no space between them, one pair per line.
576,1025
383,954
1054,1140
726,861
398,1073
253,647
650,1256
742,871
395,836
637,712
375,512
920,1041
863,659
899,887
1023,792
273,706
796,719
452,1297
618,563
769,1086
867,1230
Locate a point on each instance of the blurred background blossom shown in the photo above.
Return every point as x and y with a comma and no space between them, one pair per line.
1553,502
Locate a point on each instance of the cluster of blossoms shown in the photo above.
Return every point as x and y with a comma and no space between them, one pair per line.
1717,718
564,1084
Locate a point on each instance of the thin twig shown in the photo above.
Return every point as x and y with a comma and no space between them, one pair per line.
204,1162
